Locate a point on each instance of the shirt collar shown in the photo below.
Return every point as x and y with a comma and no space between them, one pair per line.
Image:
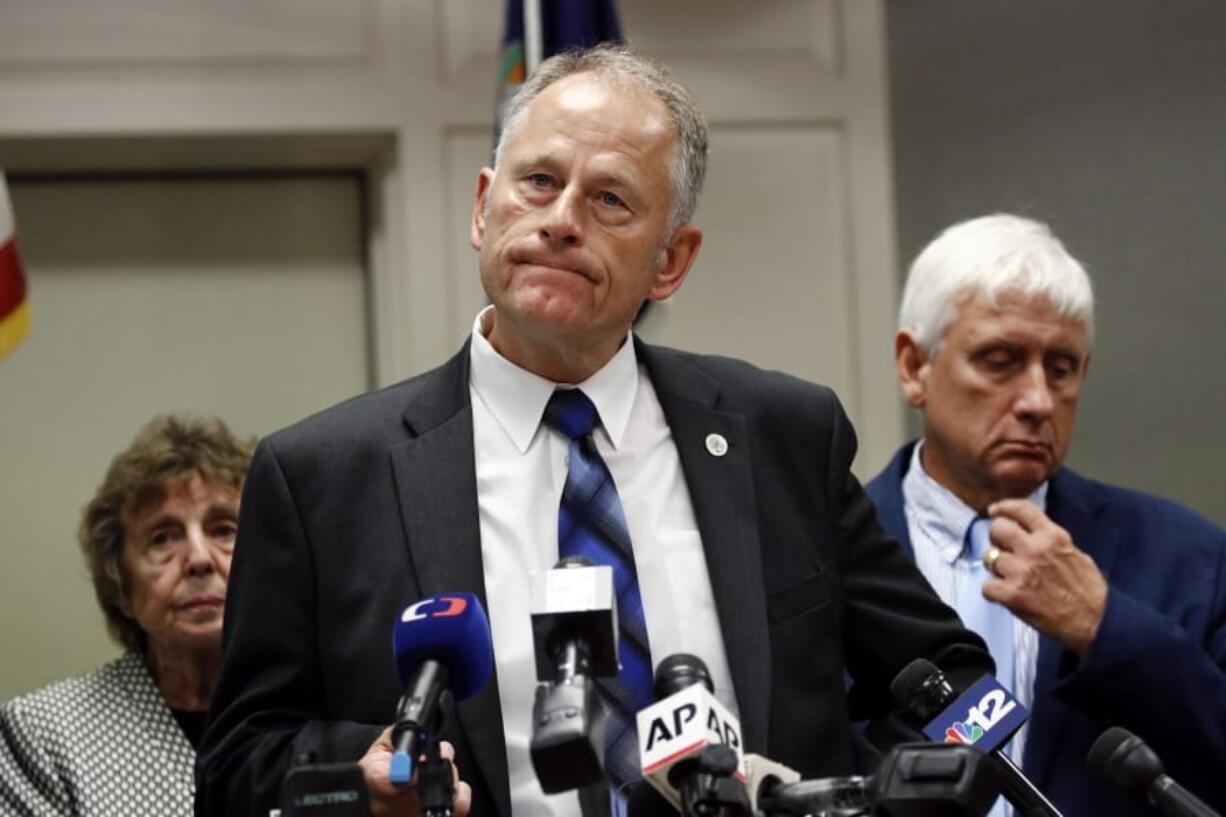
943,516
516,397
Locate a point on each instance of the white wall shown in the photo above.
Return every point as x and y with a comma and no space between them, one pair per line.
239,297
1107,121
798,270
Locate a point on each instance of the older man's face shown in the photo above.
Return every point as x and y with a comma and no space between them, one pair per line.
1000,398
571,229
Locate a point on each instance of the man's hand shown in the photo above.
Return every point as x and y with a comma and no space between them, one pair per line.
386,799
1043,578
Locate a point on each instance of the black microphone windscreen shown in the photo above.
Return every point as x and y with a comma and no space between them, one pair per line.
680,671
910,680
1124,759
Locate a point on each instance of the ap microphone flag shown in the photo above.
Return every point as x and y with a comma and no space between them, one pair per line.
14,308
686,719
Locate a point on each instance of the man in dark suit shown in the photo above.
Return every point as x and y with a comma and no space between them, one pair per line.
755,546
1116,599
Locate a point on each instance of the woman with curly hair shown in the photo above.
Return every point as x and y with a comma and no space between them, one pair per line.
157,538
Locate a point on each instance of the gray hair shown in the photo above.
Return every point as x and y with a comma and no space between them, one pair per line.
614,63
985,258
166,449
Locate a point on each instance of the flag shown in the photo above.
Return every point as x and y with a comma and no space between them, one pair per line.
14,309
538,29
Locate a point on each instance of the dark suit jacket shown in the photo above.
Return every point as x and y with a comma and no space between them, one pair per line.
1158,664
353,513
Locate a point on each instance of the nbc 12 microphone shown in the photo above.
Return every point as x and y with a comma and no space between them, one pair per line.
574,635
1128,762
441,644
984,716
689,742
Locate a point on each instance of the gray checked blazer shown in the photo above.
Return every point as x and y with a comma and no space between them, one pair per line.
99,745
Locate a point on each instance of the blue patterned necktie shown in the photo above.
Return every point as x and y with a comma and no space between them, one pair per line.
591,523
992,621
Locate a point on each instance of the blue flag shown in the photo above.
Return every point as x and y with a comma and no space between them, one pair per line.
563,24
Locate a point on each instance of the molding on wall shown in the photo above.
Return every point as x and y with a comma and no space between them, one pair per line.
389,91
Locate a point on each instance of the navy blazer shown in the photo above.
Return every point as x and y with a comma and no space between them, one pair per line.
353,513
1158,663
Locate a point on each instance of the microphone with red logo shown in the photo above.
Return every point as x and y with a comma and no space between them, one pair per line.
441,644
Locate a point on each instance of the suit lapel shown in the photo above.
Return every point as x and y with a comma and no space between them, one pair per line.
886,492
722,492
437,487
1072,506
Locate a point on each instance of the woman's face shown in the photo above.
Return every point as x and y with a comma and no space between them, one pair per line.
176,562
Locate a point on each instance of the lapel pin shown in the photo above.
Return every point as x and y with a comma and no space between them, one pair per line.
717,446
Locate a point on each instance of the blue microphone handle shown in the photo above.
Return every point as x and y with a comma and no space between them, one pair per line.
407,748
417,717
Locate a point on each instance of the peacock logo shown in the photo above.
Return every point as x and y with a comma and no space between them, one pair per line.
961,732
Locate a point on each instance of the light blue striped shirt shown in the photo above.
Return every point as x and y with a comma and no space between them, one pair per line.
937,522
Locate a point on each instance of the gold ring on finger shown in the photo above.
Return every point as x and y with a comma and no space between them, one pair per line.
990,556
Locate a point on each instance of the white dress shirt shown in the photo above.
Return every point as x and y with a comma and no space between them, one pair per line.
937,522
521,469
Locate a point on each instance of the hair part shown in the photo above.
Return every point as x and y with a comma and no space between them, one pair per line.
619,65
984,259
167,449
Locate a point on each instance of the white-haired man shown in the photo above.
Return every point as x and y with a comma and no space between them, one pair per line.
1101,606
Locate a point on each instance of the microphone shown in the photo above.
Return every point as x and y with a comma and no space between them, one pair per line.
441,644
929,779
1127,761
840,794
688,741
311,789
984,716
574,634
922,689
763,774
914,780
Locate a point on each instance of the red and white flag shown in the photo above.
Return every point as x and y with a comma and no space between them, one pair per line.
14,308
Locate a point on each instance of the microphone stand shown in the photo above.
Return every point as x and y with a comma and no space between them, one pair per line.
434,783
1022,794
707,786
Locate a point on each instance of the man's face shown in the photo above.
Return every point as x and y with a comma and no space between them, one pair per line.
571,228
999,397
